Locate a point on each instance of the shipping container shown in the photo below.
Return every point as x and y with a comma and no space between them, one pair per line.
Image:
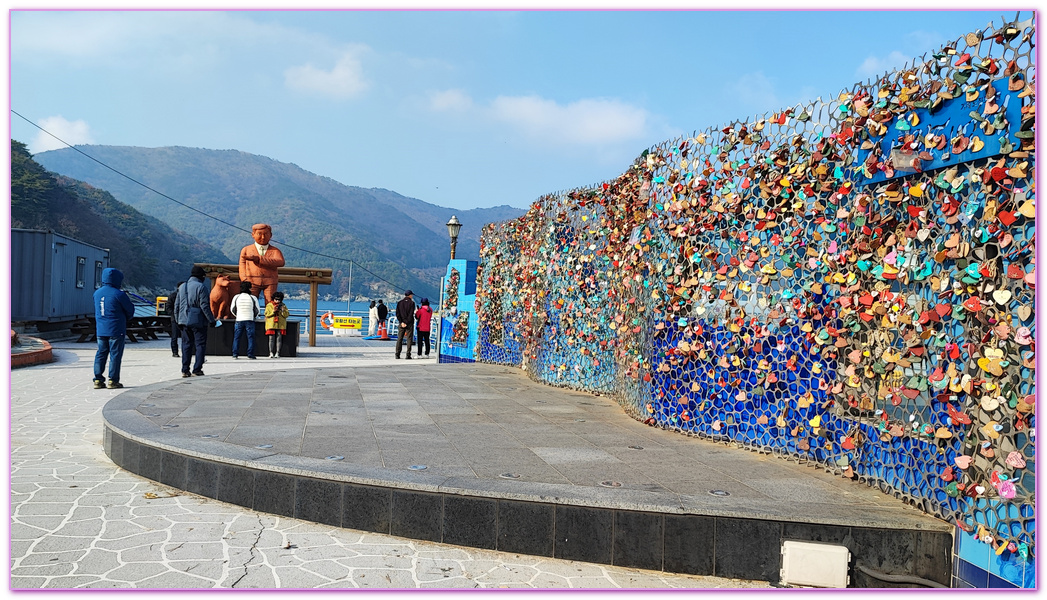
53,277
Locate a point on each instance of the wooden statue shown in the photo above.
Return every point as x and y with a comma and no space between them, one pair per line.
222,293
259,262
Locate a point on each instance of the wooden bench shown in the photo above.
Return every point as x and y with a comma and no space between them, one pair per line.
151,326
85,329
139,328
134,333
148,327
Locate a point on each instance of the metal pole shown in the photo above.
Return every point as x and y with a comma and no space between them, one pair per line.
349,306
440,321
312,313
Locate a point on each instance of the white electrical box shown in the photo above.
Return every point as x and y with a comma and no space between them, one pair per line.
815,564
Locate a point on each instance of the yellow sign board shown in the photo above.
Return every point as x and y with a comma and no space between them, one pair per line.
347,322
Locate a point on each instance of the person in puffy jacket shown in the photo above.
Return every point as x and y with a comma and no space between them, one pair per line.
276,314
113,309
424,316
193,313
245,309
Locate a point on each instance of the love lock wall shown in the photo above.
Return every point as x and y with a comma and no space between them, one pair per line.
848,283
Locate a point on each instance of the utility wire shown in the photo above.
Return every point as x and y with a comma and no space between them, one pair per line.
210,216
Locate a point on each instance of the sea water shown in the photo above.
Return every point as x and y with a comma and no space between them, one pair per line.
299,309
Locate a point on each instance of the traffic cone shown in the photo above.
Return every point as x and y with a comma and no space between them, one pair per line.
383,331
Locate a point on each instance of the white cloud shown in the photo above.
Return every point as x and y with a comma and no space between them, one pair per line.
583,122
450,100
912,44
589,122
184,43
754,91
808,93
136,35
875,65
71,132
345,80
921,41
40,35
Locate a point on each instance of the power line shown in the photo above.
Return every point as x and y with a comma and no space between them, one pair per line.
208,215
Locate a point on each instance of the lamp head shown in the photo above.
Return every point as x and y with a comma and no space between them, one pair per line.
453,227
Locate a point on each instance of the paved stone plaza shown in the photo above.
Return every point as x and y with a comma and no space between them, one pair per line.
78,521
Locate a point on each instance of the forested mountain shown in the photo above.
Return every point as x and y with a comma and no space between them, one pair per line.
402,240
150,253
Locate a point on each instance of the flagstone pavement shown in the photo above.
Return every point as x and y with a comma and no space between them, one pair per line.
79,521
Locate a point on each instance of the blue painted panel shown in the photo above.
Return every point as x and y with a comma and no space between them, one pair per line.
973,575
447,358
1008,566
953,119
469,278
508,351
464,307
971,550
996,582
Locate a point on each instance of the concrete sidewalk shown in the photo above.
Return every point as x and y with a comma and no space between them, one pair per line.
80,521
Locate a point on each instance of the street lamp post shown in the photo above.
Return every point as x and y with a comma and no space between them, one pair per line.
453,227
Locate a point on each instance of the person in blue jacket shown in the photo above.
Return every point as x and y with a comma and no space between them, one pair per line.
193,314
113,309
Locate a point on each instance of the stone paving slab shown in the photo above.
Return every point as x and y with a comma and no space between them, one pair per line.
573,446
78,521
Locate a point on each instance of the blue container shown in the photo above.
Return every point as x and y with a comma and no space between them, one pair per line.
53,277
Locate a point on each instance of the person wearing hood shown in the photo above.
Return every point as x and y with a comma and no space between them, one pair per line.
113,309
193,313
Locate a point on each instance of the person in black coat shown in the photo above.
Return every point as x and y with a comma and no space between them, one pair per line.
383,313
405,315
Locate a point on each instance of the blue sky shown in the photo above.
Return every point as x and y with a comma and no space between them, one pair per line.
458,108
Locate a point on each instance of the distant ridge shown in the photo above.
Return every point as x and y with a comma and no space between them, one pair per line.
403,240
151,254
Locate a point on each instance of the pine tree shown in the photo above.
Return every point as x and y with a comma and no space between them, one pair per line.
31,185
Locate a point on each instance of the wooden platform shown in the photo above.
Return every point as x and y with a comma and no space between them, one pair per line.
311,275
